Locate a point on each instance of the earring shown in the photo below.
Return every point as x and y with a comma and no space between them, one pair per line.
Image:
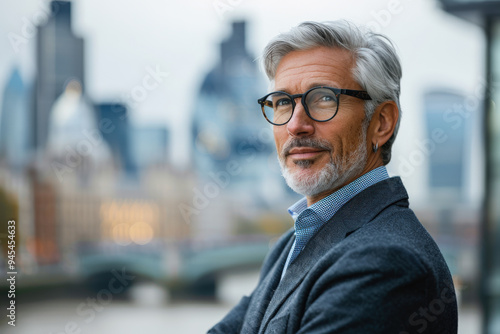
375,148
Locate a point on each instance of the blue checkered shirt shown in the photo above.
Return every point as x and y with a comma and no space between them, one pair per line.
308,220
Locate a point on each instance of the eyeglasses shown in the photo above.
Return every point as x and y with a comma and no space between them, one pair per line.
320,103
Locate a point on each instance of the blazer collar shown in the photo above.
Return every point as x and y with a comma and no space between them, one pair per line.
266,288
354,214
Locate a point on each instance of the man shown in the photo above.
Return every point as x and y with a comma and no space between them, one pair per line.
357,260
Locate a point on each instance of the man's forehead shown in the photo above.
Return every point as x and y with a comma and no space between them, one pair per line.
319,54
315,67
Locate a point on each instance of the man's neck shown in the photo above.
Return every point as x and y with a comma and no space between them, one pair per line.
318,197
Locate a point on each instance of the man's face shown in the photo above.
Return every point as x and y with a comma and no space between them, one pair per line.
317,158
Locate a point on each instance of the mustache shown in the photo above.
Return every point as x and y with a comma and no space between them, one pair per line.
305,142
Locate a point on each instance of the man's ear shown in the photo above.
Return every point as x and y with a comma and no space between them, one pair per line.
383,123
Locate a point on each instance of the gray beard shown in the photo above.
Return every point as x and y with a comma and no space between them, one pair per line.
333,175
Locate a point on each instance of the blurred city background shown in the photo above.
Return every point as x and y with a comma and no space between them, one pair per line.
143,178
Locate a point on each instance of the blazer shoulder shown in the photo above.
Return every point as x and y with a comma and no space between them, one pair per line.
396,239
390,258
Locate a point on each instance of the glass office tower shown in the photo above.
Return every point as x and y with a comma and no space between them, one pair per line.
487,15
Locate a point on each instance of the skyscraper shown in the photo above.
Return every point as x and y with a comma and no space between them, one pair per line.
227,122
59,59
14,123
233,148
447,158
149,145
118,134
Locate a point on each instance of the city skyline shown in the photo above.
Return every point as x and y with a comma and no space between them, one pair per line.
122,52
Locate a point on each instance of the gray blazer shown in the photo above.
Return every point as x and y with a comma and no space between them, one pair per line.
372,268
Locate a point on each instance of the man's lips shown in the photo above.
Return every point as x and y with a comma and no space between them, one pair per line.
304,152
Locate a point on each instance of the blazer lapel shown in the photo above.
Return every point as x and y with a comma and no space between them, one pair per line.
265,291
353,215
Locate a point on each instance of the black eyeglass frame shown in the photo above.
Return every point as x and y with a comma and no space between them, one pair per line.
359,94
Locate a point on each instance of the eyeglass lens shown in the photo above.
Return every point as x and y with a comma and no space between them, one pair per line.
321,103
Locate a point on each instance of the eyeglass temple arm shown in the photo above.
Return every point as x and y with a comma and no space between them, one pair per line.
360,94
265,103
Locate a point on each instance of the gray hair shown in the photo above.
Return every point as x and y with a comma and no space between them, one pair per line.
377,69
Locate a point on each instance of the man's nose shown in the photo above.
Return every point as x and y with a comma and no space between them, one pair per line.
300,125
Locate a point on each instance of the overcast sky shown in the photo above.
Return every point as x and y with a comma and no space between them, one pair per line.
123,38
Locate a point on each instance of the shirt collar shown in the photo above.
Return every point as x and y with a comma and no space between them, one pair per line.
328,206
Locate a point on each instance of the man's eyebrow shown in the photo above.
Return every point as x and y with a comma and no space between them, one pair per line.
281,90
322,84
315,84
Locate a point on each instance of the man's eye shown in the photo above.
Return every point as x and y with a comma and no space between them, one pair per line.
283,102
327,98
322,97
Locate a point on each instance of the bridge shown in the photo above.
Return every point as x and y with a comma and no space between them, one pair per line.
179,266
